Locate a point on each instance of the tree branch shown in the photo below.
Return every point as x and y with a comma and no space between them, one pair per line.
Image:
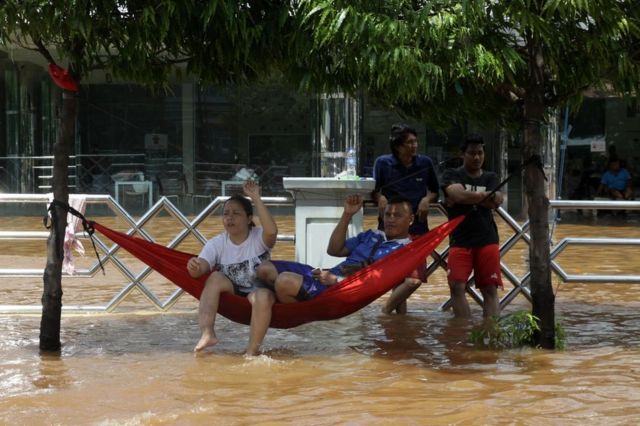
43,50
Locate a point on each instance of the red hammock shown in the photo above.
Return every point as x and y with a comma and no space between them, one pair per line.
351,294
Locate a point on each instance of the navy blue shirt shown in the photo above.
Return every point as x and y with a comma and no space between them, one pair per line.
395,179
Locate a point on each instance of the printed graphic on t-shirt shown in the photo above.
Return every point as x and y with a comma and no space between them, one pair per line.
475,188
243,274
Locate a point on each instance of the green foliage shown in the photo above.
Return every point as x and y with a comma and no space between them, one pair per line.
560,337
446,60
513,330
508,331
150,41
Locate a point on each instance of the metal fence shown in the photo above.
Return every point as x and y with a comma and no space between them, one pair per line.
439,258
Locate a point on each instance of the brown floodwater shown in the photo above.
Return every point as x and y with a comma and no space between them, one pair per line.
134,366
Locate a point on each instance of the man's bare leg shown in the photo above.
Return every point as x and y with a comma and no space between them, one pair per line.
401,308
208,308
491,306
287,287
398,298
459,300
262,301
267,273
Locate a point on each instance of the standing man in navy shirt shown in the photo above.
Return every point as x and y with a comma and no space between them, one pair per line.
405,173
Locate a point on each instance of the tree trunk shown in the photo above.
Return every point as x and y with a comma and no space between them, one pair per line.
52,294
539,252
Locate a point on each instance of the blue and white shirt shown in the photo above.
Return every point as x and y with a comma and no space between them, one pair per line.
361,246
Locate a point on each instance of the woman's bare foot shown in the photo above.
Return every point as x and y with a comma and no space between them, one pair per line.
207,339
252,351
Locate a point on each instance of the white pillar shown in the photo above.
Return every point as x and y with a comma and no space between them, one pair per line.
319,205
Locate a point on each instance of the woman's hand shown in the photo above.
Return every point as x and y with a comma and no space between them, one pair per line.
193,267
251,189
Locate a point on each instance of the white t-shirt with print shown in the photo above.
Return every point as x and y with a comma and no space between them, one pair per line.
237,262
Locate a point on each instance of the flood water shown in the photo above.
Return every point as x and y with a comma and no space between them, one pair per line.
135,366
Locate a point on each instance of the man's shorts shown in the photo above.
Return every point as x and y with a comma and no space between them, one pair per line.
310,287
483,261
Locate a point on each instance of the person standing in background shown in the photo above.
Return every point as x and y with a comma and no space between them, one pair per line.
405,173
473,245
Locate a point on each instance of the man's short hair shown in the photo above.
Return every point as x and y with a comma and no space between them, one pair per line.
471,139
399,199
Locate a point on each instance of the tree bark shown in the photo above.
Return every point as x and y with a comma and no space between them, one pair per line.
52,294
543,299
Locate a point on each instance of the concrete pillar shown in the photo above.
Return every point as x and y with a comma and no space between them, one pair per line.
189,134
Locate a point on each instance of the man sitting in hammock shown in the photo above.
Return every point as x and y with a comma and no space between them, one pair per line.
297,282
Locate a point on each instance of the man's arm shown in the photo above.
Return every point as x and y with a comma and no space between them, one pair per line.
423,206
376,195
456,194
494,201
400,294
325,277
601,189
336,247
628,190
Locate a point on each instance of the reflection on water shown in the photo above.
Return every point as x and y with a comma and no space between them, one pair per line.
368,368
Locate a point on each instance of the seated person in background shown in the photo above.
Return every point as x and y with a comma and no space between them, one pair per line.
616,182
296,282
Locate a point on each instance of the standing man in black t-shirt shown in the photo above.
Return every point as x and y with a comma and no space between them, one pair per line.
474,243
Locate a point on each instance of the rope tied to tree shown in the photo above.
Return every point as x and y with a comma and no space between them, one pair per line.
87,225
536,160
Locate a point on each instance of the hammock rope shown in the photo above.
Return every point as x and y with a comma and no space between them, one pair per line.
87,225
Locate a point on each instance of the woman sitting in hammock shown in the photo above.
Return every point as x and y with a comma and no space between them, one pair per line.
236,253
297,282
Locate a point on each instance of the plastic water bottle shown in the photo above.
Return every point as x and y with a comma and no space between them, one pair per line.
351,162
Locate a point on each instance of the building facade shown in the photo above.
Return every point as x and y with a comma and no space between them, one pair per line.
197,140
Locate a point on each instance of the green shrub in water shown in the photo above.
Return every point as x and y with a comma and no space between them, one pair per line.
513,330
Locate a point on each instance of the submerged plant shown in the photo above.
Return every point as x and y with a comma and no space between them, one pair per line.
513,330
560,336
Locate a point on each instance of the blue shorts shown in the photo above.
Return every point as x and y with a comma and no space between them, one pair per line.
310,287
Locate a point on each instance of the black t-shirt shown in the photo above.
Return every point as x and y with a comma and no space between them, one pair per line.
479,228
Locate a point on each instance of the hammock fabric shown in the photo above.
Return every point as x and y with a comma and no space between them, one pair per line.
351,294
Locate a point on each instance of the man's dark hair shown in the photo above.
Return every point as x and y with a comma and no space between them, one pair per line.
400,199
471,139
399,133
